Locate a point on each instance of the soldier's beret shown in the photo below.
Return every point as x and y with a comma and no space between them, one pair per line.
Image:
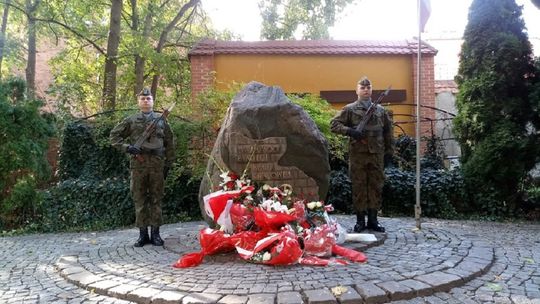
145,92
364,81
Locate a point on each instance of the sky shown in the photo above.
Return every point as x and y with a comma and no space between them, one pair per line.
380,19
376,19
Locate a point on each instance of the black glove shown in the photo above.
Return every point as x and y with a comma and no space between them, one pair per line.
388,160
165,172
133,150
354,133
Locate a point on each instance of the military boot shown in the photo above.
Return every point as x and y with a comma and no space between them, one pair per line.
372,223
143,237
155,239
360,222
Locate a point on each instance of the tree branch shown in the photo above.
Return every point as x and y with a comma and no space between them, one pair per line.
94,44
172,24
9,3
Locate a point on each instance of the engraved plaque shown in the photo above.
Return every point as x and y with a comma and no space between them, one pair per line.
263,156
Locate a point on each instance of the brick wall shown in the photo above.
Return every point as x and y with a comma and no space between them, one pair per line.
427,92
202,74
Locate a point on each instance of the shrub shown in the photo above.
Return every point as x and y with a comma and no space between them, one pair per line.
21,207
441,191
340,191
86,151
78,204
24,134
94,189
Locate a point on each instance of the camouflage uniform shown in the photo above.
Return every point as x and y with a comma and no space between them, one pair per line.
366,155
147,182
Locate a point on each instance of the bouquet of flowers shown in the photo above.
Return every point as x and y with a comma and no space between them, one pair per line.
317,213
280,248
217,205
269,226
318,241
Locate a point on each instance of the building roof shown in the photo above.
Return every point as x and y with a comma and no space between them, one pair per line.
312,47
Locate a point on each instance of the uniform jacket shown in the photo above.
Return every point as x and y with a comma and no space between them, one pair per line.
378,133
160,143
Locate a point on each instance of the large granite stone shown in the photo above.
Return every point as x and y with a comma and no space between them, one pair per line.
279,140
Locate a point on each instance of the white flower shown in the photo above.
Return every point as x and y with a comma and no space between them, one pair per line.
267,204
225,176
266,187
276,206
266,256
238,184
319,204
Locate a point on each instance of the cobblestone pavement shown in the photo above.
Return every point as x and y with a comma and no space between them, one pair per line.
445,262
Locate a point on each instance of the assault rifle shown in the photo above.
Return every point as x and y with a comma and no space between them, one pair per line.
148,131
360,127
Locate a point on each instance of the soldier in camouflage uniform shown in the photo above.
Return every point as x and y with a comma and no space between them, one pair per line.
149,165
368,151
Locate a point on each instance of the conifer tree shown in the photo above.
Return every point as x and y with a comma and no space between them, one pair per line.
494,118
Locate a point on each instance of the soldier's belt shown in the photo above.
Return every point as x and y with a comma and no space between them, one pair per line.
372,132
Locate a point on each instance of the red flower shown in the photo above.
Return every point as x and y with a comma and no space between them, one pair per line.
230,185
233,176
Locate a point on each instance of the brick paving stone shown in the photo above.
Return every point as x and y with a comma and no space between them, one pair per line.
350,296
201,298
102,287
167,297
290,297
261,298
420,289
121,291
83,278
233,299
71,270
371,293
142,295
396,290
440,281
320,296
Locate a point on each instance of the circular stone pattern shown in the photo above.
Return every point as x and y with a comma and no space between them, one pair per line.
408,264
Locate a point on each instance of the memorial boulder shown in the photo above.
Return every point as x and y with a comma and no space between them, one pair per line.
274,139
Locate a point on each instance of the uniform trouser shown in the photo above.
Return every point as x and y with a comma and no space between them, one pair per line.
147,192
367,177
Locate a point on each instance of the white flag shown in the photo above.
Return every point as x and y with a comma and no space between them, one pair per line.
425,11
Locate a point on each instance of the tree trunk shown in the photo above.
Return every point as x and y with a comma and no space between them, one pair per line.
139,60
165,33
3,33
109,80
31,61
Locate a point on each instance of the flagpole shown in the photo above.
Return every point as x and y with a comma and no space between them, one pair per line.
417,207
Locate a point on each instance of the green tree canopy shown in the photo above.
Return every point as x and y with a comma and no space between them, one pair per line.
283,18
494,118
